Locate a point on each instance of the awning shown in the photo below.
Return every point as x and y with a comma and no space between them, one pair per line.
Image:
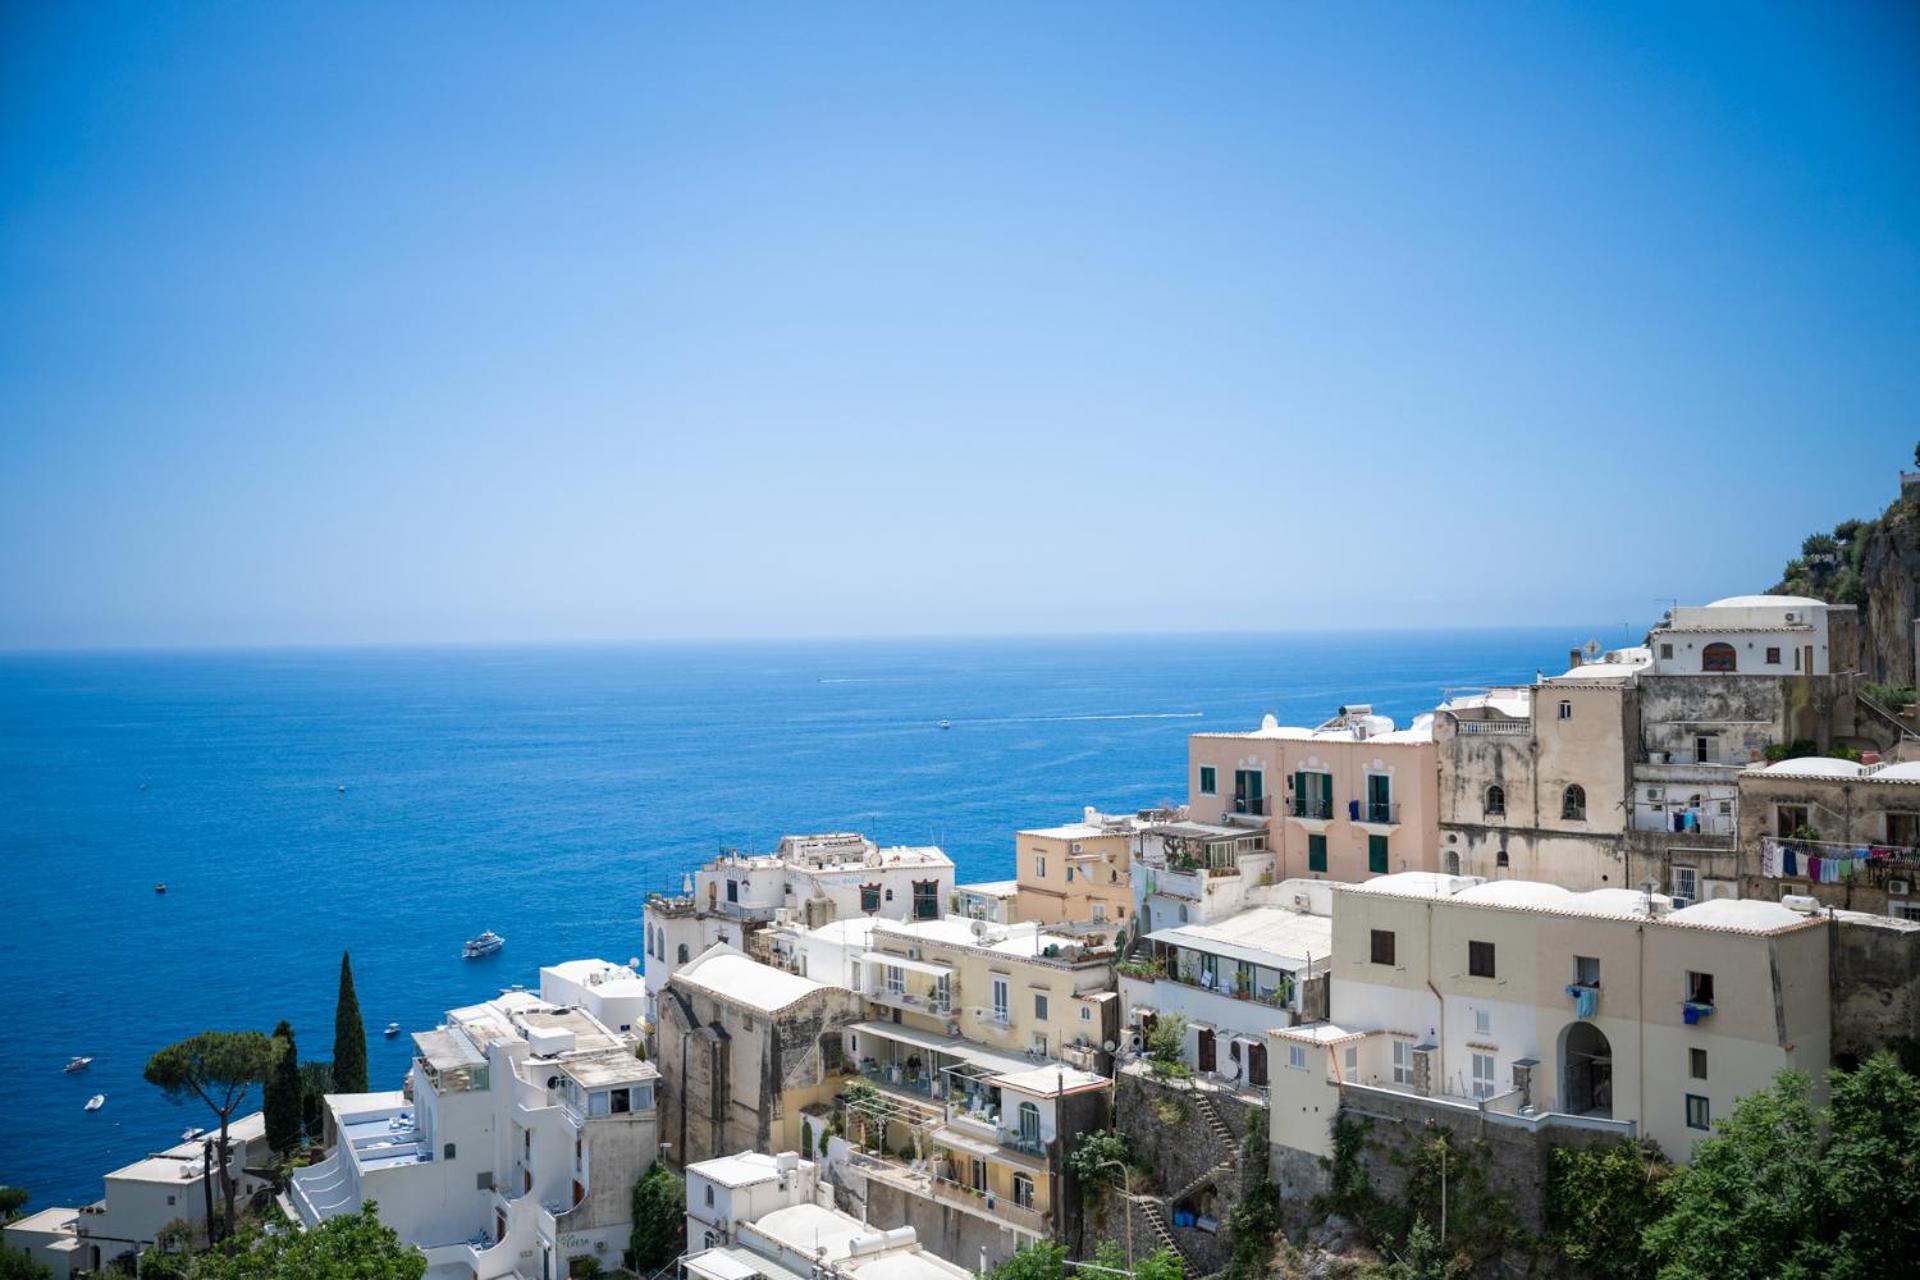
911,966
972,1146
952,1046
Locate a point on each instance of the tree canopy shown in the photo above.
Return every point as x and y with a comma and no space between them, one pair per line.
217,1067
349,1035
353,1246
283,1093
12,1201
16,1265
659,1219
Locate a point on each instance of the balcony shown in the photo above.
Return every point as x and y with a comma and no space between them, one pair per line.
1018,1216
1374,813
913,1002
1030,1144
1494,728
1312,808
1251,806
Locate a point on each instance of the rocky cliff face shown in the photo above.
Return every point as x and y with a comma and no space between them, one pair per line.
1890,572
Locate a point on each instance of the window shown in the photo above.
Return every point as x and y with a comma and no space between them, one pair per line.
733,891
1377,855
1483,1022
1500,859
1586,970
1023,1190
1566,709
1483,1075
1686,883
1702,750
1480,959
1039,1006
1903,829
622,1101
1316,853
1297,1057
1099,913
926,899
1353,1059
1209,780
709,1193
1496,805
1029,1123
1403,1062
1002,1001
1697,1063
869,897
1773,656
1666,651
1086,1013
1040,866
1718,656
1699,988
1573,803
683,953
896,980
1382,946
1699,1115
447,1152
1788,818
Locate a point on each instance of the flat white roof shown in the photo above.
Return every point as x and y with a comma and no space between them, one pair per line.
1765,602
745,1169
813,1230
1024,939
1271,936
731,1262
909,1264
990,888
1069,831
612,979
52,1221
1815,767
1734,915
735,976
1050,1081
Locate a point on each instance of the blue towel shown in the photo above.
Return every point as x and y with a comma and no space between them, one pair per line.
1353,811
1586,1000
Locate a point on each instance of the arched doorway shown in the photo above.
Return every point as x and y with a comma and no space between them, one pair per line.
1719,657
1586,1071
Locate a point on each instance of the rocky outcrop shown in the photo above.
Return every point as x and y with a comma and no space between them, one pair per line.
1890,573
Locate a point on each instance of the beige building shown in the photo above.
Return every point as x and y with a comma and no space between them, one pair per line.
745,1050
1077,873
1845,834
1352,798
1528,1005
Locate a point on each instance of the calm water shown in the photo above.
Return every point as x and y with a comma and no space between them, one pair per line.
541,793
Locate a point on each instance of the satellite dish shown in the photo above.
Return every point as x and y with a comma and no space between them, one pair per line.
979,928
1109,1046
633,962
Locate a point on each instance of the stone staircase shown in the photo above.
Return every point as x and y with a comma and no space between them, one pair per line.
1211,1114
1156,1219
1218,1171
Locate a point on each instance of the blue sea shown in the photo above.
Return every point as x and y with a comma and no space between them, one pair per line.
541,793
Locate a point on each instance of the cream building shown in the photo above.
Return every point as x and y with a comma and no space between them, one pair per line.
1077,873
1844,834
1351,798
1527,1004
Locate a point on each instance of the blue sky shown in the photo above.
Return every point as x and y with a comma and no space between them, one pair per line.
501,323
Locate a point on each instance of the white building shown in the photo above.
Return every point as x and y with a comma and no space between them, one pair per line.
989,900
829,954
1187,872
139,1200
1761,635
808,881
512,1151
616,994
1234,981
776,1227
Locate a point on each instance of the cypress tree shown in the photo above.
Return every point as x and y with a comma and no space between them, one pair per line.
283,1093
349,1036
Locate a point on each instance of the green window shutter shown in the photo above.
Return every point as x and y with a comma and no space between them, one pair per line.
1377,854
1300,787
1207,784
1326,792
1316,853
1379,788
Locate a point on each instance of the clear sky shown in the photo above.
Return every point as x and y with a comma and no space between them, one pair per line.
511,322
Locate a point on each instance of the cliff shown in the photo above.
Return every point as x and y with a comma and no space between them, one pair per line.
1874,565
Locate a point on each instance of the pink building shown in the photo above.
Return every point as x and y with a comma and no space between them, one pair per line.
1353,798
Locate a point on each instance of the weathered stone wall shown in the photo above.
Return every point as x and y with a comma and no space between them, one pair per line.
1876,986
949,1232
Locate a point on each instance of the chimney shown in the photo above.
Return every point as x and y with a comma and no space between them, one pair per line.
1573,657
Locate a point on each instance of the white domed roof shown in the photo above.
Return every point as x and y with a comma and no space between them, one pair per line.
1815,767
1617,902
1908,771
1516,893
1765,602
1750,915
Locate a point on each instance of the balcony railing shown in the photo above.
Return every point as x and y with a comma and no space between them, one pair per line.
1030,1220
1495,728
1257,805
1315,807
1025,1143
927,1004
1377,812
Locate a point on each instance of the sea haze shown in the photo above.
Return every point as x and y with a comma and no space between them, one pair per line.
540,793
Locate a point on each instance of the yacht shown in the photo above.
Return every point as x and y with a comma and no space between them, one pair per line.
161,887
190,1134
96,1102
78,1064
393,1028
484,945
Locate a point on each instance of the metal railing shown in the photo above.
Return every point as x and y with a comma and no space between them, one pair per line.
1378,812
1257,805
1309,807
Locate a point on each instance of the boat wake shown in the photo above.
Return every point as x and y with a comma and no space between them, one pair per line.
1134,715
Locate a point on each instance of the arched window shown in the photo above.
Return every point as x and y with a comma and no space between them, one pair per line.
1029,1123
1573,803
1718,657
1453,863
1496,801
683,953
1500,859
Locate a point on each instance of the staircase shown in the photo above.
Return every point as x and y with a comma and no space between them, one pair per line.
1211,1114
1885,716
1218,1171
1157,1227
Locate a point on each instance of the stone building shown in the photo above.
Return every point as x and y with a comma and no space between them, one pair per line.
744,1048
1845,834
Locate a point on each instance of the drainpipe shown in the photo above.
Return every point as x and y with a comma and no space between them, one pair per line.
1438,998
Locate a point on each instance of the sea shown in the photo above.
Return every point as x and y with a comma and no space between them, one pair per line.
392,803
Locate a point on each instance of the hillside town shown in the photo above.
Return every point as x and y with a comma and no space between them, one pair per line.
1592,911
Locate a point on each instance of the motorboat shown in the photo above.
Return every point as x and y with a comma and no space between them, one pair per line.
78,1064
161,887
190,1134
946,724
96,1102
484,945
393,1029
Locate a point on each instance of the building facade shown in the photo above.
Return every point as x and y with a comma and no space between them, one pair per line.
1076,873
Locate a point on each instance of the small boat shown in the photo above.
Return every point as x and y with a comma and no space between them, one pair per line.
484,945
393,1029
341,788
161,887
946,724
78,1064
96,1102
190,1134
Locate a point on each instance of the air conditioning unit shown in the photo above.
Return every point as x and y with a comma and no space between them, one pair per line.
1678,903
1714,889
1654,793
1076,846
1792,618
1900,888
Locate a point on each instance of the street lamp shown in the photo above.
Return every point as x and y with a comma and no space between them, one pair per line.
1126,1182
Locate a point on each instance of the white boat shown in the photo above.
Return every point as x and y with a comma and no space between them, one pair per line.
484,945
946,724
393,1029
78,1064
96,1102
191,1134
